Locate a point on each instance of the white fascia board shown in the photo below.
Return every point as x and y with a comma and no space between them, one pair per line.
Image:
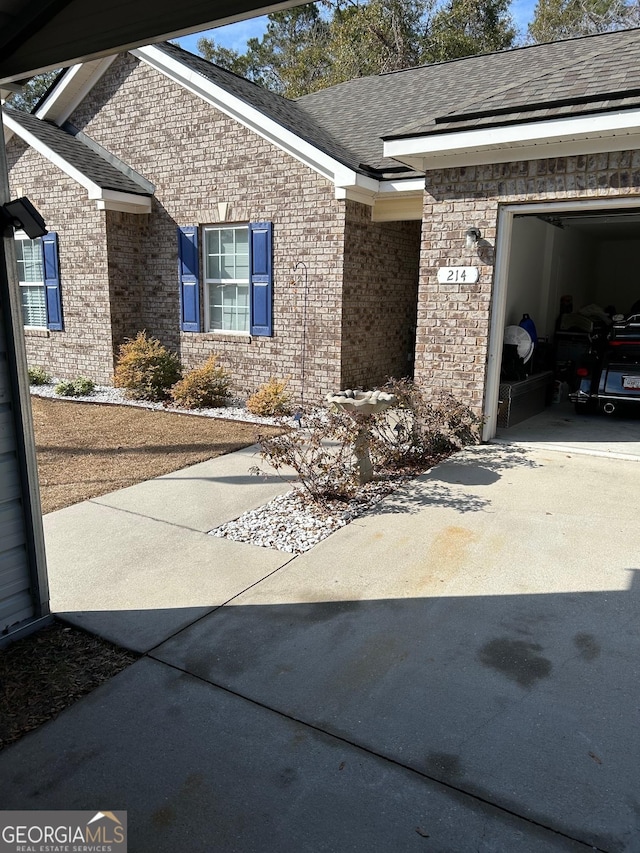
372,192
76,84
127,202
409,185
250,117
488,144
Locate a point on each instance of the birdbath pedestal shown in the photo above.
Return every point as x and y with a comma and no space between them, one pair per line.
361,405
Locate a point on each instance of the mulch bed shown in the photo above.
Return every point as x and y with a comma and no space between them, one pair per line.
45,672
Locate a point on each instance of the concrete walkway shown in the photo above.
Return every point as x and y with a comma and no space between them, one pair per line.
458,671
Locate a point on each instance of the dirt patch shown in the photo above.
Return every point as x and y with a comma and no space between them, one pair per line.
87,449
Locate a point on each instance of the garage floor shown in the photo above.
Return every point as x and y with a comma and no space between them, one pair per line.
560,428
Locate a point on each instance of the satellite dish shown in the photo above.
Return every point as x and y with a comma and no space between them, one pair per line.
517,336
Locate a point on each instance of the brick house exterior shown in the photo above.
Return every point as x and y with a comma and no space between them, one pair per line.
454,319
370,187
124,266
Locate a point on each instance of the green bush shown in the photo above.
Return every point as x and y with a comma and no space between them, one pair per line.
204,386
271,399
80,387
146,369
38,376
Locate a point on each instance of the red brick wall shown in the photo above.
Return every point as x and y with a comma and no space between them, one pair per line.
84,347
381,268
453,319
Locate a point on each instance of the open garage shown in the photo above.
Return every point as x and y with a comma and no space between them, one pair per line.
570,279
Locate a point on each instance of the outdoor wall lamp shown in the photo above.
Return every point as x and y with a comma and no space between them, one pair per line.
20,213
472,237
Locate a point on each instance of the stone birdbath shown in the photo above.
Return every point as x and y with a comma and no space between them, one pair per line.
361,405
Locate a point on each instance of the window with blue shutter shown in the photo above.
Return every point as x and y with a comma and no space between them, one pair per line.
188,271
261,277
52,281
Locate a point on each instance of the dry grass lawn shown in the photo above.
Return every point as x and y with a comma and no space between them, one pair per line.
87,449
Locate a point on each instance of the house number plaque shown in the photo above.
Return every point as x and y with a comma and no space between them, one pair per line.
458,275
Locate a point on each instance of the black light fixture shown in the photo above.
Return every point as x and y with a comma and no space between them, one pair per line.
20,213
472,237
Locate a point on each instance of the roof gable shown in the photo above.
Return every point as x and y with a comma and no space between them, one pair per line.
83,161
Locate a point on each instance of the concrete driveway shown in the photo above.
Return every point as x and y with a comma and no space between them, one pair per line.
457,671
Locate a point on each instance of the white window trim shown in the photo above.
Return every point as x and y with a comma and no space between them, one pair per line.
207,282
22,236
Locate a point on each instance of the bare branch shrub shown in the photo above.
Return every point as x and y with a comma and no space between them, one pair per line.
412,436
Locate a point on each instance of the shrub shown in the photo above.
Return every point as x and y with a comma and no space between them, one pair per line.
203,386
80,387
146,369
271,399
419,431
321,454
408,437
38,376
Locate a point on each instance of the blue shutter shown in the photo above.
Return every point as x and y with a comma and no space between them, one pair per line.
188,271
52,281
261,277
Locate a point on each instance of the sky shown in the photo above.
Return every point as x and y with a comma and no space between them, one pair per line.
235,36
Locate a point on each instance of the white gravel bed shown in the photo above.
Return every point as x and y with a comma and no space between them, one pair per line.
292,524
236,411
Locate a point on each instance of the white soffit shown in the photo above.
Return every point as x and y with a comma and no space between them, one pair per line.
530,141
106,199
74,86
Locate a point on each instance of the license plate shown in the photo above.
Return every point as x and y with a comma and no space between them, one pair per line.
631,382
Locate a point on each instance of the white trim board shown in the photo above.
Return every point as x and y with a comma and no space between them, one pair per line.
527,141
253,119
349,184
72,89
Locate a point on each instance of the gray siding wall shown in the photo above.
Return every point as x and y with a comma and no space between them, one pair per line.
24,590
16,603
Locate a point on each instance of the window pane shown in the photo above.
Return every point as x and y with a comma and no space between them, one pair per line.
242,266
213,266
242,241
228,267
34,308
212,241
29,256
216,317
243,296
227,241
229,297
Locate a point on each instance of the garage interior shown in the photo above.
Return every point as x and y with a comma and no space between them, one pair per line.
559,265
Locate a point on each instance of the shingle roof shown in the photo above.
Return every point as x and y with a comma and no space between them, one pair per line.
561,78
349,121
75,152
285,112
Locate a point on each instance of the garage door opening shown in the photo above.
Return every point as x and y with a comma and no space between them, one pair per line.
570,272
